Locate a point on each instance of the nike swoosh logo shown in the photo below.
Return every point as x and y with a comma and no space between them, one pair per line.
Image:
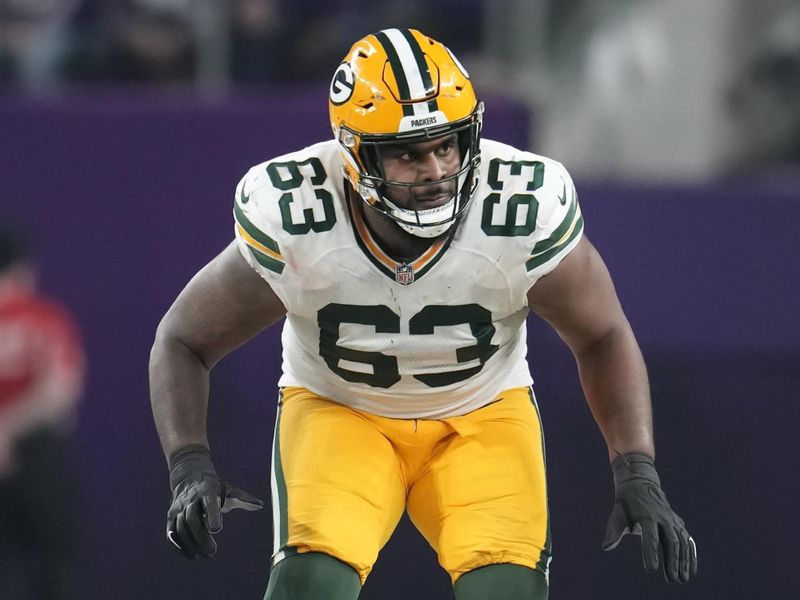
563,197
244,199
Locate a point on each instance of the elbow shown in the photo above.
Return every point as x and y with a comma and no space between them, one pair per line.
169,344
601,341
164,337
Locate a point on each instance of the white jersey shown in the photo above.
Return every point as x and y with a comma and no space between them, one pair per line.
438,337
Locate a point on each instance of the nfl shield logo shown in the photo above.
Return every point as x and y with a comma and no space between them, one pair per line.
404,274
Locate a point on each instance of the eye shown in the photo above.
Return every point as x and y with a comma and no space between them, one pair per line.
446,147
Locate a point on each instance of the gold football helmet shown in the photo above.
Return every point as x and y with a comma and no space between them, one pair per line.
400,86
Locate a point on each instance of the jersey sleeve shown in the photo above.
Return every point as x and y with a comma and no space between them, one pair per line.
559,224
254,228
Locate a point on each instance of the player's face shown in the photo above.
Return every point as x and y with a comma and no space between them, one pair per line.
419,164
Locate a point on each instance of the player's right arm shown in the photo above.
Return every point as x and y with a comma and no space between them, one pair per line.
223,306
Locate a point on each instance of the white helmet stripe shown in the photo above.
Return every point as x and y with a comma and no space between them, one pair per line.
408,63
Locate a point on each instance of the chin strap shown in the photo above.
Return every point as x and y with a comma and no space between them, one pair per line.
423,230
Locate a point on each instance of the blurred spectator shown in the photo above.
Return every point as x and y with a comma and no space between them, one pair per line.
133,41
32,40
41,374
765,92
258,40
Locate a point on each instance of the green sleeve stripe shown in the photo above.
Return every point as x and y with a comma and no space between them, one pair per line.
544,245
254,231
538,260
267,261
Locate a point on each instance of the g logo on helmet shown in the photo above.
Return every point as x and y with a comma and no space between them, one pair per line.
342,84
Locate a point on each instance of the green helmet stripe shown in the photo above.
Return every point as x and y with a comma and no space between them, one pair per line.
427,82
399,72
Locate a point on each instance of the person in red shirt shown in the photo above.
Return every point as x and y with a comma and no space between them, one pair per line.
41,380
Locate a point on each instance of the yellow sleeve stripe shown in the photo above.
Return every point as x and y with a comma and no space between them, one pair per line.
574,230
251,241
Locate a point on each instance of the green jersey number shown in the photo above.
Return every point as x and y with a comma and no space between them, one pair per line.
511,227
384,367
381,370
289,176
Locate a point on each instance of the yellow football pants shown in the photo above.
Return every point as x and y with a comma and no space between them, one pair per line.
473,485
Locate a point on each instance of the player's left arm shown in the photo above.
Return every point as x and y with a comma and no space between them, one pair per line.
579,300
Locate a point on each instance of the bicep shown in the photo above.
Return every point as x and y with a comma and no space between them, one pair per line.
578,298
225,304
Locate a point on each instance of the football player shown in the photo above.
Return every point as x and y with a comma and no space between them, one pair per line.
406,254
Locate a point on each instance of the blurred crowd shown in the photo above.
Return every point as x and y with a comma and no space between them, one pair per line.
47,43
717,83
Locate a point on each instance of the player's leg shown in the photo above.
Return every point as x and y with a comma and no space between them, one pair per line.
482,502
310,576
337,495
501,582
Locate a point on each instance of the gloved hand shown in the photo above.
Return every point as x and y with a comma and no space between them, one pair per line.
199,497
641,508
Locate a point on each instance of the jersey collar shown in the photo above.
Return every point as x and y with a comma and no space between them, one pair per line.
403,273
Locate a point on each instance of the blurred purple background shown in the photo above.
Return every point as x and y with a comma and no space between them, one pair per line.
128,194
